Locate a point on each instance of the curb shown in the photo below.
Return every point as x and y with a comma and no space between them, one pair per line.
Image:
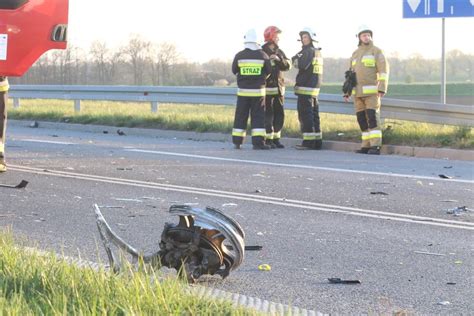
410,151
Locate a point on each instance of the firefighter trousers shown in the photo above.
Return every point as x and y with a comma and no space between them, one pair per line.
308,115
255,106
274,116
368,117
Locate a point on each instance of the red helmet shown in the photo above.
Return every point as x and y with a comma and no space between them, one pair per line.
271,33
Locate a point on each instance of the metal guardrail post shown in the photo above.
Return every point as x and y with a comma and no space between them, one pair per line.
16,103
77,106
154,107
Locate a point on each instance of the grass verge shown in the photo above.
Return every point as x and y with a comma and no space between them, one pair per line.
32,284
211,118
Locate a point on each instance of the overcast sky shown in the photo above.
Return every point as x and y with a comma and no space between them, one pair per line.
207,29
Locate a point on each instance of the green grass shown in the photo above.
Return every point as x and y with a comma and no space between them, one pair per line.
32,284
211,118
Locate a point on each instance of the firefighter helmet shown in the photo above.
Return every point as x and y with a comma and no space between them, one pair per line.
250,36
364,29
310,32
271,33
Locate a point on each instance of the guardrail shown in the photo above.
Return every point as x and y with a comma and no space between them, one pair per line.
429,112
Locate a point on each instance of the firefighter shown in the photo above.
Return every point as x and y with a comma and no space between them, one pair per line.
371,69
252,67
3,120
308,81
275,88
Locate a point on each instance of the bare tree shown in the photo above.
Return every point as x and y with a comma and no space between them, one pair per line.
138,53
165,57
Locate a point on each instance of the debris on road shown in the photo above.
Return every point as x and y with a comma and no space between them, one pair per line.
105,132
379,193
125,169
264,267
429,253
449,201
458,211
443,176
194,246
458,262
128,200
110,206
259,234
258,191
21,185
341,281
447,167
229,204
120,132
444,303
34,124
451,283
7,215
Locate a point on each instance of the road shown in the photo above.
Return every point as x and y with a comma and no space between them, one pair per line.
312,211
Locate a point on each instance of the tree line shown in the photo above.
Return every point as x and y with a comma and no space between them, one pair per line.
142,62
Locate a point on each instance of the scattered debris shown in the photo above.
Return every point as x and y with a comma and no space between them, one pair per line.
340,134
458,262
105,132
258,175
451,283
449,201
379,192
229,204
447,167
444,303
430,253
6,215
259,234
458,211
120,132
258,191
54,135
443,176
128,200
125,169
264,267
341,281
419,182
21,185
34,124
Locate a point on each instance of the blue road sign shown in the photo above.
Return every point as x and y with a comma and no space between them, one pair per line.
437,8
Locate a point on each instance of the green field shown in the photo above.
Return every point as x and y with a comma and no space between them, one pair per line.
414,89
211,118
33,284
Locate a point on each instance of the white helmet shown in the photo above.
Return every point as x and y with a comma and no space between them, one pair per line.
310,32
250,37
364,29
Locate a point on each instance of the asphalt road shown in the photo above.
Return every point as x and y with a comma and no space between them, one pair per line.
312,211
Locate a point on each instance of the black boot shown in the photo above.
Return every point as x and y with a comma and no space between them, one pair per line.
363,150
374,150
269,142
277,143
318,144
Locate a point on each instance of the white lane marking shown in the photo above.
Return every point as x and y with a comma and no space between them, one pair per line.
398,175
44,141
260,199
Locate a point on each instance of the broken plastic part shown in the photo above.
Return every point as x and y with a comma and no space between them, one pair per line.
194,246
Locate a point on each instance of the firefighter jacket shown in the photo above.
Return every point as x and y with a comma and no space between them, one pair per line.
4,84
310,75
252,67
371,68
276,82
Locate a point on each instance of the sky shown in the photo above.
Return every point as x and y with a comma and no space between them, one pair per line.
207,29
